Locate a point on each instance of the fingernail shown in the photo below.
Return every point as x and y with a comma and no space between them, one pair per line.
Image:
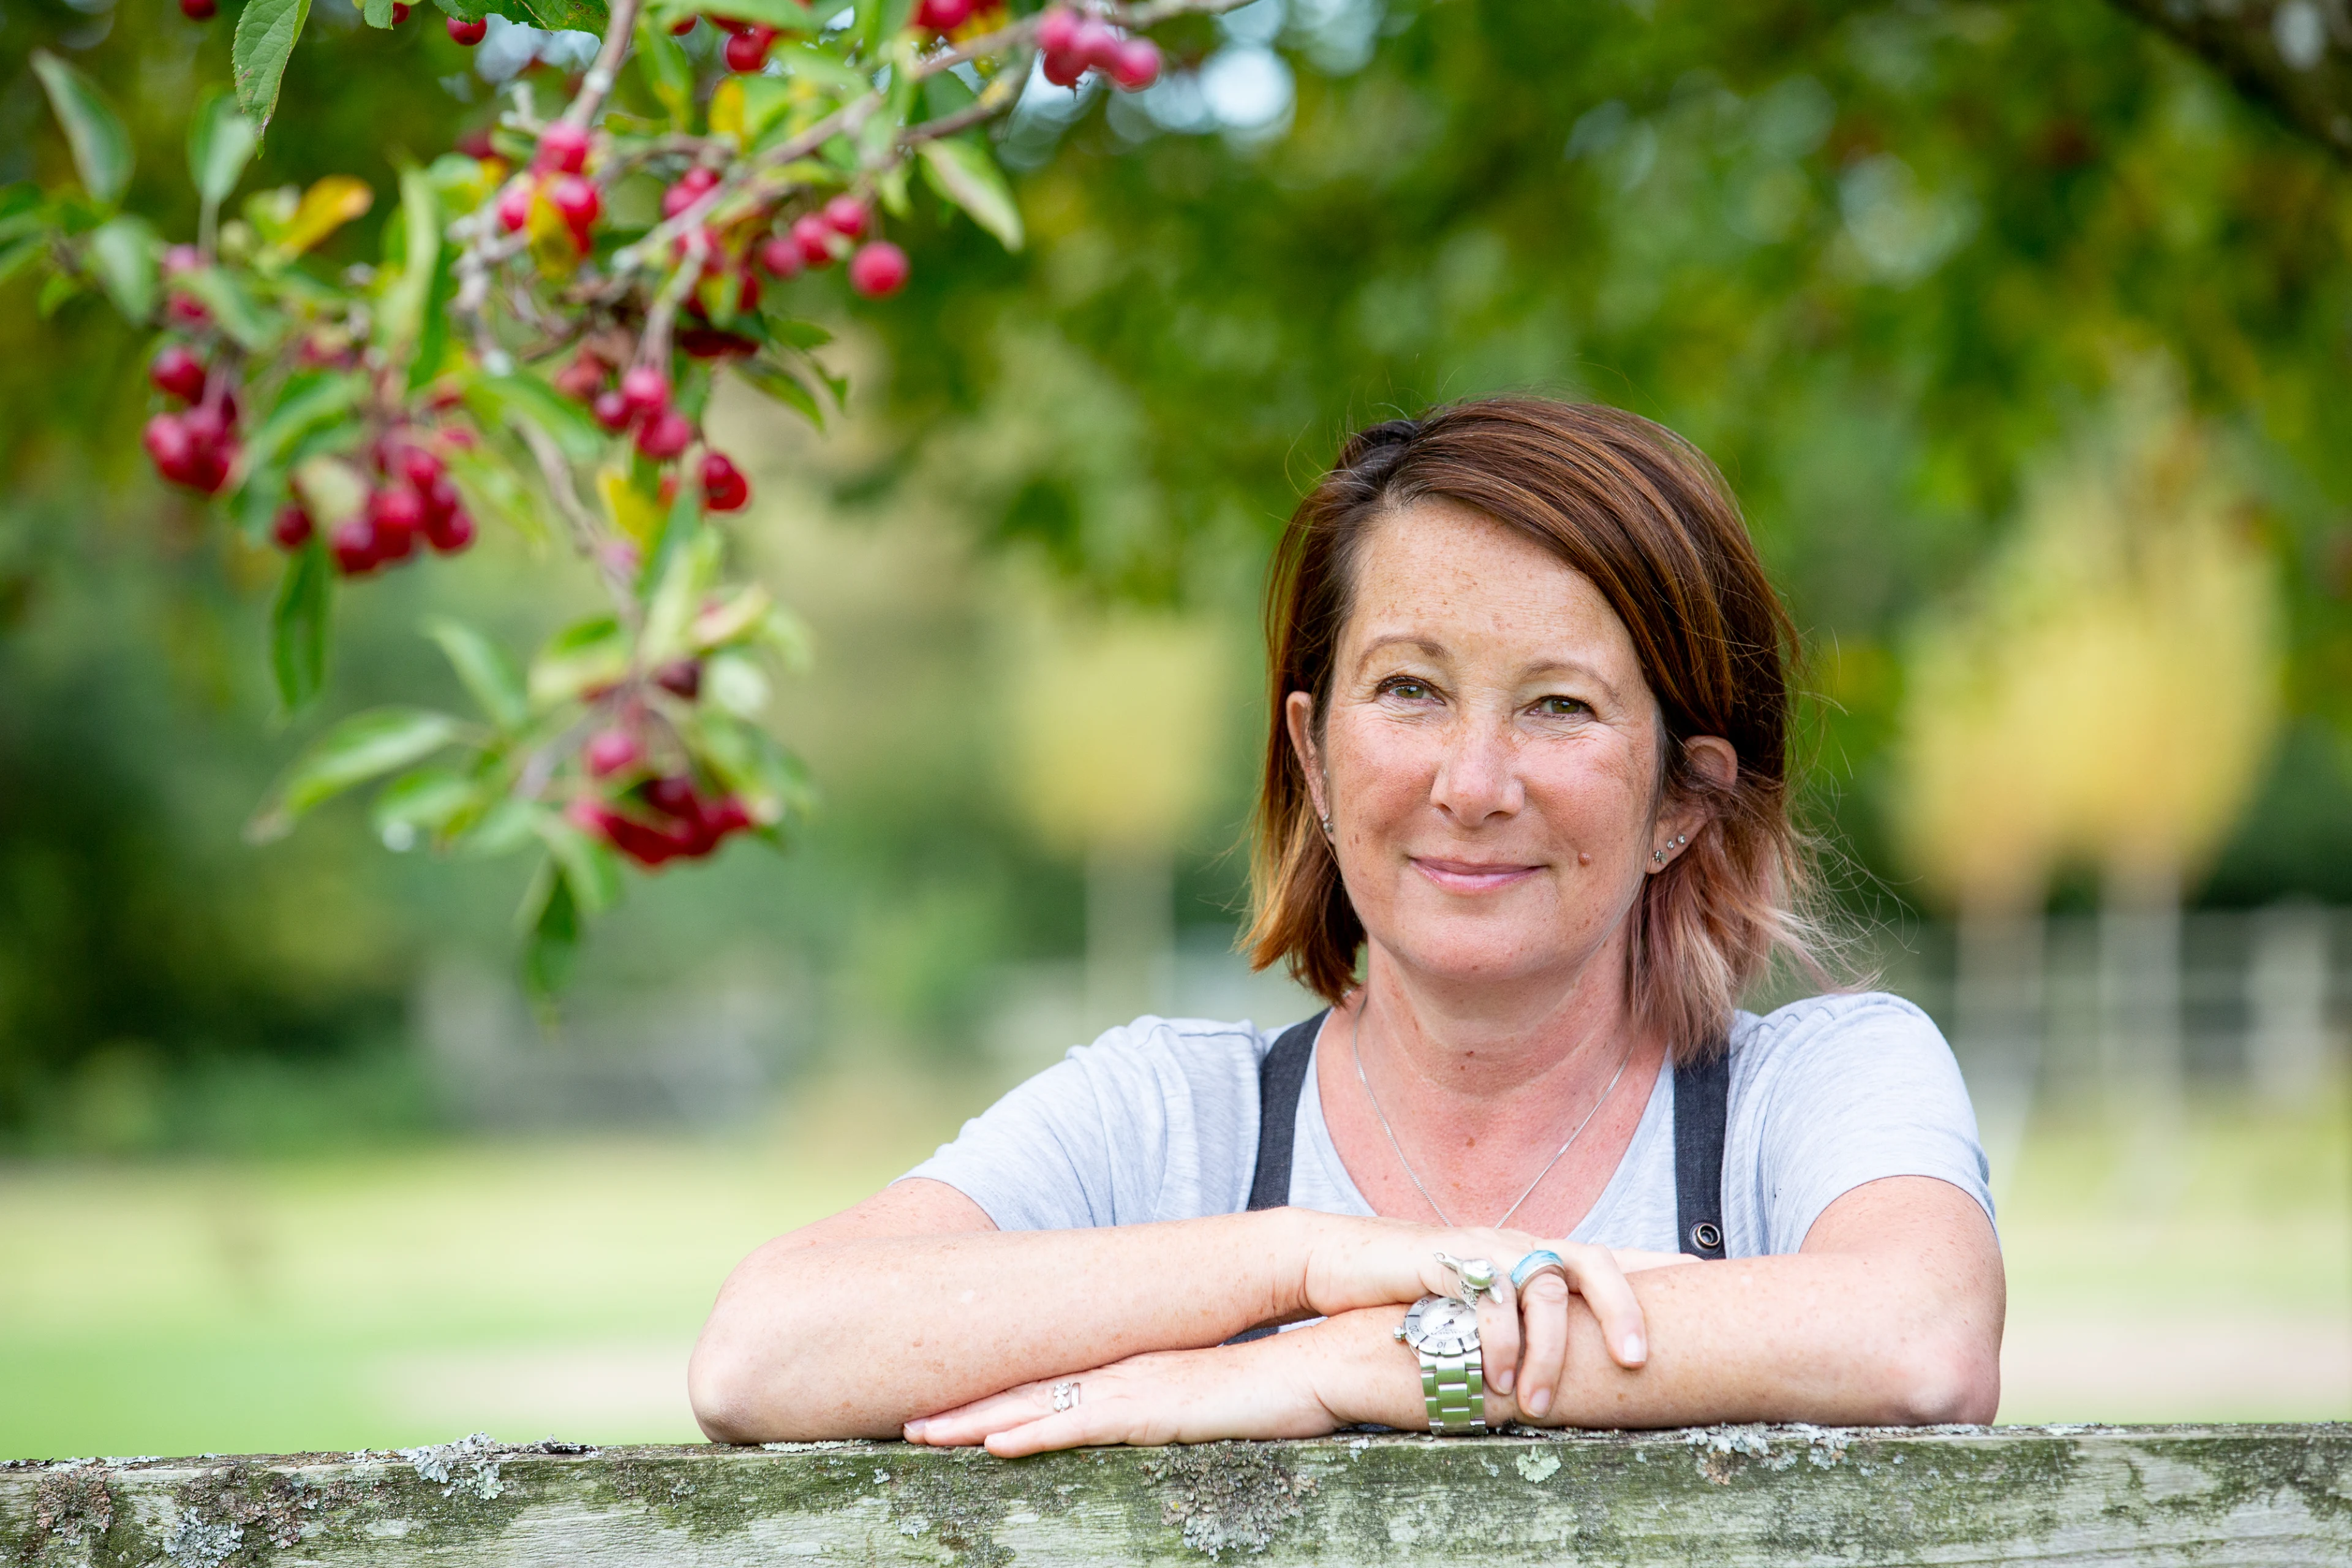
1538,1402
1636,1352
915,1431
1503,1379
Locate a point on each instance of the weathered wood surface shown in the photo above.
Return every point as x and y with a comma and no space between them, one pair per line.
1759,1495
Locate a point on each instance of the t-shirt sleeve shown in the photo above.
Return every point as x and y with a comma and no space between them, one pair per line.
1141,1125
1842,1091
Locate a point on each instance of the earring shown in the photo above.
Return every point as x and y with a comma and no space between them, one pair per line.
1326,827
1658,857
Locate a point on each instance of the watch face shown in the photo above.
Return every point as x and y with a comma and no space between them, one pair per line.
1440,1325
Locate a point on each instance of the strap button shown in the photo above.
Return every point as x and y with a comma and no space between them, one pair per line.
1705,1236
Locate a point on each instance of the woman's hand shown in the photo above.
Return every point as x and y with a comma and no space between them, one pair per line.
1362,1263
1265,1388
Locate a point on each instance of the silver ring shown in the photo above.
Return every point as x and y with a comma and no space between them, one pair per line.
1066,1395
1542,1260
1476,1275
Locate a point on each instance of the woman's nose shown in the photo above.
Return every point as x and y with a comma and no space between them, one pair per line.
1478,776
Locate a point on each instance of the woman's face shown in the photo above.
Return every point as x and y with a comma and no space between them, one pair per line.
1490,759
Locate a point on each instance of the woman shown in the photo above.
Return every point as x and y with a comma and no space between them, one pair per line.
1527,759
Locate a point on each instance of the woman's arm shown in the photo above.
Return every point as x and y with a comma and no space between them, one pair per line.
913,1302
1891,1314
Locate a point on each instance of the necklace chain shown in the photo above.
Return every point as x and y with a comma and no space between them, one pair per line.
1355,1036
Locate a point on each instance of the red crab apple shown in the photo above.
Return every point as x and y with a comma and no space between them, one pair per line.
177,372
1057,31
845,215
664,435
1135,64
813,236
199,10
562,148
612,411
724,488
466,35
747,51
645,390
878,269
943,15
293,528
779,256
610,751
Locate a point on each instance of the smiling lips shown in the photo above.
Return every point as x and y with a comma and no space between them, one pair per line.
1473,876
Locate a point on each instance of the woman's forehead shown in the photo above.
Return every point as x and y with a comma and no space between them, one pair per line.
1448,581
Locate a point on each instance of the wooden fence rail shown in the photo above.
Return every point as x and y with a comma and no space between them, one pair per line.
1762,1495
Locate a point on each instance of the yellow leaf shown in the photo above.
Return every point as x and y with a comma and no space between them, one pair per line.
633,512
727,108
325,207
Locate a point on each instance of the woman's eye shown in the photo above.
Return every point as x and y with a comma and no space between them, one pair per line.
1561,707
1410,690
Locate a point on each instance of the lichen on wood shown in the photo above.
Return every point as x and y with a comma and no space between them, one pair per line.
1758,1495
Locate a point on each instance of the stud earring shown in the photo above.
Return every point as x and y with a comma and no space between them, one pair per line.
1326,827
1658,855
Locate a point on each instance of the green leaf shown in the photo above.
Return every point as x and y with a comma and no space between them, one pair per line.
221,141
362,747
490,677
506,825
505,399
426,800
125,251
667,72
15,258
964,172
304,408
944,94
562,16
766,100
589,865
877,22
552,919
297,627
773,785
784,15
232,308
401,317
265,31
377,12
783,386
102,147
582,656
687,567
57,292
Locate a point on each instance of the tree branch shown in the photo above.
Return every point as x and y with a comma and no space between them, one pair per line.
2293,57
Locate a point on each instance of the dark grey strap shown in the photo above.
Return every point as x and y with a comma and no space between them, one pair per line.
1281,1074
1702,1108
1281,1077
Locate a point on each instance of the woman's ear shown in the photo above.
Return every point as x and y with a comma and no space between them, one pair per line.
1298,718
1711,759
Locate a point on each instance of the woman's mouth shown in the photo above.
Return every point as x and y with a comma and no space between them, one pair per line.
1473,876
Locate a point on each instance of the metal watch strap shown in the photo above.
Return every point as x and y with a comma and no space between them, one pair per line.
1454,1389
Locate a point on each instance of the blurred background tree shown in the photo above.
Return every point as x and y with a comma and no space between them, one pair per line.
1883,262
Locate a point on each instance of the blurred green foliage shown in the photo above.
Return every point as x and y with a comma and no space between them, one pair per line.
1875,258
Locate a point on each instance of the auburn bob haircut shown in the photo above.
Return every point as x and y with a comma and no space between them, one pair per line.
1644,515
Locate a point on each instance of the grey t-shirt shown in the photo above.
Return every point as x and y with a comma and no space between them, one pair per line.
1158,1121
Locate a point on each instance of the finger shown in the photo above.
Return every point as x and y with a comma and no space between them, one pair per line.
1543,1318
1061,1429
969,1424
1498,1335
1602,1283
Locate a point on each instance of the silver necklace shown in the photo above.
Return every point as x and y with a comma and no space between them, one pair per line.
1355,1035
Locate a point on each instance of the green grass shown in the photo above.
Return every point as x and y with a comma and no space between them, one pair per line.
537,1289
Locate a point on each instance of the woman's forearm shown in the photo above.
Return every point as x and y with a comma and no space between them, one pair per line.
853,1337
1835,1337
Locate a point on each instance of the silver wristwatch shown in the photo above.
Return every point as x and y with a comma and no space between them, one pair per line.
1444,1332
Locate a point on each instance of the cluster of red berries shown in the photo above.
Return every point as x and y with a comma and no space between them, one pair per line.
641,401
413,500
820,238
195,446
1073,44
671,819
555,170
